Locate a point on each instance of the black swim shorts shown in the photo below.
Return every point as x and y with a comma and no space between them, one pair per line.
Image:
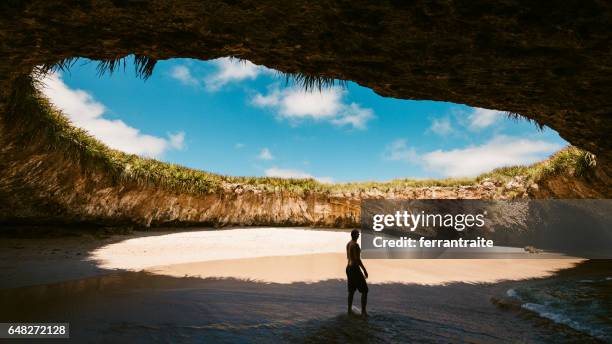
356,280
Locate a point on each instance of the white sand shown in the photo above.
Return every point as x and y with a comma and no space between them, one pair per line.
201,246
288,255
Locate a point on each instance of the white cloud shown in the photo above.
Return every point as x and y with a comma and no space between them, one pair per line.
497,152
297,104
354,115
291,173
399,150
265,154
272,99
183,74
177,141
226,70
239,145
473,160
441,126
87,113
482,118
230,70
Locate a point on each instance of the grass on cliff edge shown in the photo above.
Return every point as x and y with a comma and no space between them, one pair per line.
569,161
35,118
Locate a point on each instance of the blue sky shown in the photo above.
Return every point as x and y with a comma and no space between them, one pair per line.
235,118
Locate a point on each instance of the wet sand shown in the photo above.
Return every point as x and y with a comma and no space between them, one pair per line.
271,285
139,307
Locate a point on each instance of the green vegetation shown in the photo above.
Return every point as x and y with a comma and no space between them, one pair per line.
35,122
569,161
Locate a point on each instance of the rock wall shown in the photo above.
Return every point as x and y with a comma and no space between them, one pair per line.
49,189
595,185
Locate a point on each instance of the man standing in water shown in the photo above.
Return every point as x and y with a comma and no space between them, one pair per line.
356,280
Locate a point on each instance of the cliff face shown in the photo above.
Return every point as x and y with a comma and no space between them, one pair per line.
47,189
595,185
38,187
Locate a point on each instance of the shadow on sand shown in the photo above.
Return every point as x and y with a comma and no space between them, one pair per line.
140,307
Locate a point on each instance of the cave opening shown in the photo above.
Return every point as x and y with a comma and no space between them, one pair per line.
346,143
232,117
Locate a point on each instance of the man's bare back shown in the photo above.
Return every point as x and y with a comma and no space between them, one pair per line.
353,253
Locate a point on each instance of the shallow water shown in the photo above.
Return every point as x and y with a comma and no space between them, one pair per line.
580,301
143,308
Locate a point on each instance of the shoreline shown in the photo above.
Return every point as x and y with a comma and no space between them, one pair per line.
256,253
300,295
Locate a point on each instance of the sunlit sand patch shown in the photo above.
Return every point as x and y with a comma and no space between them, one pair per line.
284,255
326,266
200,246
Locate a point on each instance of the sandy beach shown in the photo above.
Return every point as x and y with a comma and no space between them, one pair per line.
262,284
290,255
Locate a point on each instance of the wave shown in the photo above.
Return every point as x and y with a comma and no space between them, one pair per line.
579,304
513,294
563,319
